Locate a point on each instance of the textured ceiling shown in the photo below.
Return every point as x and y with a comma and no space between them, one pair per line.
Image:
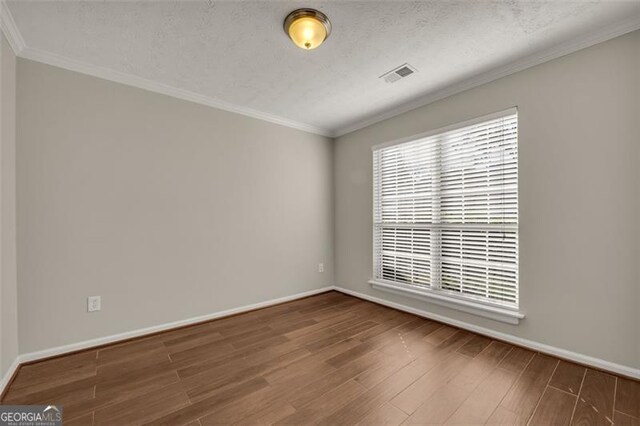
237,52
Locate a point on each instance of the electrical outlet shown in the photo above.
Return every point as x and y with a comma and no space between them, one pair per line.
320,267
93,303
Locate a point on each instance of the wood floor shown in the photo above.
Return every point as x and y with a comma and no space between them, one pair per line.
329,359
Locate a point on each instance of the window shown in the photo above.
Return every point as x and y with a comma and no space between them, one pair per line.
446,215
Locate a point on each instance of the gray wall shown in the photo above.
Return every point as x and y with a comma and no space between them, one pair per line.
8,284
579,146
171,210
167,209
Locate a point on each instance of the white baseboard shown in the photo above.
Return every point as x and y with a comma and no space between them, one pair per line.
541,347
9,374
60,350
536,346
34,356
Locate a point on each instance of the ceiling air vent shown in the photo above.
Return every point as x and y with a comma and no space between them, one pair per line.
396,74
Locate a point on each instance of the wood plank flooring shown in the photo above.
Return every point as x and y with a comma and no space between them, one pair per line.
329,359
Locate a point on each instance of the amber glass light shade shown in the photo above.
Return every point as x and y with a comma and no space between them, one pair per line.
307,28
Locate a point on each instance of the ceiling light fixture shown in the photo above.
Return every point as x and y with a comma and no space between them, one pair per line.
307,28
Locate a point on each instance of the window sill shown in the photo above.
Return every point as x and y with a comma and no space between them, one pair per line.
510,316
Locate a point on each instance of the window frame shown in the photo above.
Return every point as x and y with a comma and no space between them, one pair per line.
477,306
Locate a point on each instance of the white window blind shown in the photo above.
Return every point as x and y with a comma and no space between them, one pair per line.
446,212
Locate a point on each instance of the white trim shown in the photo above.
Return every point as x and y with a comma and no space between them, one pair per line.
10,30
10,372
546,55
562,353
16,41
34,356
165,89
493,116
536,346
510,316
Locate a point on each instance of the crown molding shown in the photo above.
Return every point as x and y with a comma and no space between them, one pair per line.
603,34
19,47
165,89
10,30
